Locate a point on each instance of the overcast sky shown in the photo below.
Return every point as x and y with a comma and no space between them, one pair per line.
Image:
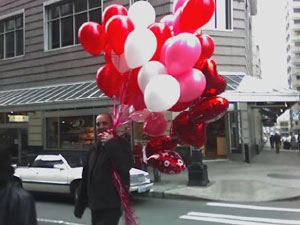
269,30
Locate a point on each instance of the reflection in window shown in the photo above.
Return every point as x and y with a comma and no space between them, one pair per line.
64,20
11,37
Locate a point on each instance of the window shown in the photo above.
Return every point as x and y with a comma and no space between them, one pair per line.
65,18
222,18
296,10
297,21
298,77
11,37
297,43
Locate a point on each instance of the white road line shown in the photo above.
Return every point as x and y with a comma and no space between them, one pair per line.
226,221
254,207
58,222
245,218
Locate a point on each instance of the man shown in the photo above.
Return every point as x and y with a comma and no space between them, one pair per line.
277,140
16,205
97,188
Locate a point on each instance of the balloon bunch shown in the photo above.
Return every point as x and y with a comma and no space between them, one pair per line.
153,67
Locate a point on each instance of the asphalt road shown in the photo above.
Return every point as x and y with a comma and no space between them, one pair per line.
57,210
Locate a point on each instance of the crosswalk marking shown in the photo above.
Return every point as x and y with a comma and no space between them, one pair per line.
245,218
254,207
221,220
57,222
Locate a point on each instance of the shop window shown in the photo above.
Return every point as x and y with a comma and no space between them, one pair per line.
76,132
65,18
222,18
11,37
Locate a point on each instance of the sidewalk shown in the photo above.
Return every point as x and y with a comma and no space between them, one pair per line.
268,177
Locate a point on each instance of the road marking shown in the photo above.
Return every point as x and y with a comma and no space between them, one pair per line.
244,218
254,207
58,221
220,220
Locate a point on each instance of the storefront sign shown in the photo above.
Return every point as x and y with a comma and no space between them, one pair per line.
18,118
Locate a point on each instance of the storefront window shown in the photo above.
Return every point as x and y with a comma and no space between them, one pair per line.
76,132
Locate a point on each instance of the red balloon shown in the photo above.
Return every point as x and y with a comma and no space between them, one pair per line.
116,30
112,10
209,109
207,44
160,143
91,37
107,54
162,32
195,14
109,80
180,106
155,124
130,87
168,162
215,83
188,132
138,101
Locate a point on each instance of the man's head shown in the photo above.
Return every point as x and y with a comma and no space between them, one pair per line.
6,170
103,122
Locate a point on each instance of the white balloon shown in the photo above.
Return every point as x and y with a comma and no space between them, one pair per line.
149,70
139,47
161,93
119,62
142,14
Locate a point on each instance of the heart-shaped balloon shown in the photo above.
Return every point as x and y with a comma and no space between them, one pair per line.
160,143
215,83
168,162
109,80
207,44
209,109
91,37
188,132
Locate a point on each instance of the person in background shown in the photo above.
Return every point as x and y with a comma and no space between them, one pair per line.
97,190
17,206
277,140
272,141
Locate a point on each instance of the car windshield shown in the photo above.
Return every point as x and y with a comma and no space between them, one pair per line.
75,160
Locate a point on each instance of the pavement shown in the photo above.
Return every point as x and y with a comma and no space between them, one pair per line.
268,177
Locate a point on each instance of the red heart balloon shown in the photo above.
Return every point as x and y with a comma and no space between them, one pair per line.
168,162
160,143
113,10
117,29
195,13
209,109
207,46
186,131
109,80
162,32
91,37
215,83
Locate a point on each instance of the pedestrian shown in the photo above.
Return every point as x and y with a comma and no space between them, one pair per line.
17,206
98,189
272,141
277,140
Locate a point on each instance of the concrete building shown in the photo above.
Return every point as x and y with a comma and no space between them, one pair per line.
48,95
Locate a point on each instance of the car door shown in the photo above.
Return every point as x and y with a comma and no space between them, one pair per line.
49,174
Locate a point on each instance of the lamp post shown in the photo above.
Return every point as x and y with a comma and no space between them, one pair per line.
197,171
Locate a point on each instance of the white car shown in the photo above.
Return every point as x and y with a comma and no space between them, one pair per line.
61,173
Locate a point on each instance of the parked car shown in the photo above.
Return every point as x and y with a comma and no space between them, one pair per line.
61,173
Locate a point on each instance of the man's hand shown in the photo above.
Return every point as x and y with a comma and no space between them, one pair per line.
106,136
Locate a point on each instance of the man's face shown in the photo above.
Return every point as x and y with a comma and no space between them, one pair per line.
103,123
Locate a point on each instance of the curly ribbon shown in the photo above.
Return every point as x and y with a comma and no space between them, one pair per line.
129,217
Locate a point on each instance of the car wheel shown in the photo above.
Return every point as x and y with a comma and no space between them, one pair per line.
75,190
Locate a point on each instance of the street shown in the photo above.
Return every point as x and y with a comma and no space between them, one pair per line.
59,210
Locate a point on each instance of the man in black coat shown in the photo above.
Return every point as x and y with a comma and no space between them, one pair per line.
16,205
97,190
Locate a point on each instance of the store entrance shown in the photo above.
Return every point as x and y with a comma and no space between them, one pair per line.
14,140
216,140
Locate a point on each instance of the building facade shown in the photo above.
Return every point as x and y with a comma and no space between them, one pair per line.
48,95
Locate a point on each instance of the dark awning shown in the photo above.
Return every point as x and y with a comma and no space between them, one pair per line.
74,95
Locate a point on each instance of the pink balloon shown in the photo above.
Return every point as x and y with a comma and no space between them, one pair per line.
139,116
192,84
155,124
168,20
181,53
177,4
